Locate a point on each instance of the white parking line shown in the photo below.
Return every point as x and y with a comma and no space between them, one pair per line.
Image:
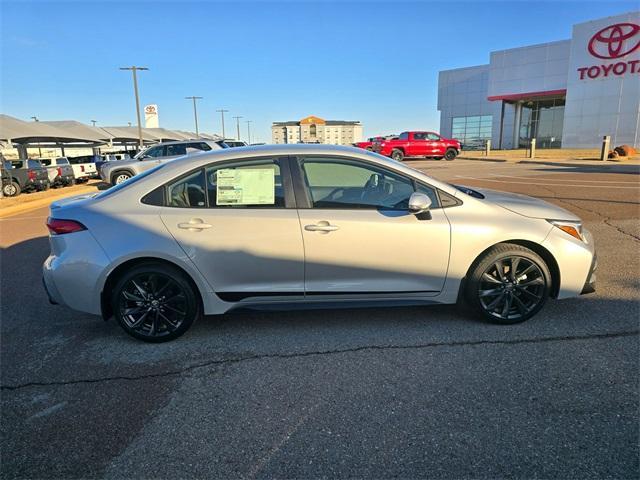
547,184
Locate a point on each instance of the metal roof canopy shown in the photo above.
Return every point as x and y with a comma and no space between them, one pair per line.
13,130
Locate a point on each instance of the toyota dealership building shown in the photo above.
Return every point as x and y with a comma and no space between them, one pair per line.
568,93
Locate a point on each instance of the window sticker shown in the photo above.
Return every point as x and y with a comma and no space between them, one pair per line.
245,186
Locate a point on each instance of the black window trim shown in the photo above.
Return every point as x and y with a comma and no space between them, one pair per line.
287,183
303,197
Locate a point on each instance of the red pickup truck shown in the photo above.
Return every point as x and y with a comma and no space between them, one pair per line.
418,144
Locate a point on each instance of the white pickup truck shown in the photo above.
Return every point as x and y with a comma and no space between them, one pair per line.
84,167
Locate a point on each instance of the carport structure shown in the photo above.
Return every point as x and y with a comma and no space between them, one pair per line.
69,134
73,134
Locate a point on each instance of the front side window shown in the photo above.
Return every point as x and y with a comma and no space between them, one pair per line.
346,184
433,137
249,184
34,164
154,152
178,149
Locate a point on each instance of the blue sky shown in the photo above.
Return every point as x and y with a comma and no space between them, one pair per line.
377,62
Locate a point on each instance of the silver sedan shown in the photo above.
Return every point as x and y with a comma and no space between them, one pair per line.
295,226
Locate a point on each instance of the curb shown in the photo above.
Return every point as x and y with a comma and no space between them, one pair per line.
483,159
42,202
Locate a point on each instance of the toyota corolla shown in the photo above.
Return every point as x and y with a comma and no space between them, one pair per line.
295,226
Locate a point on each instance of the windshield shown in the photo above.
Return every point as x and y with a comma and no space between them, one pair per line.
127,183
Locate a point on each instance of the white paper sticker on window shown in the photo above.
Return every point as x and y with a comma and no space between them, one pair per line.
245,186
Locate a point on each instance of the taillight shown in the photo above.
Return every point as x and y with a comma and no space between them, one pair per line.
60,171
58,226
32,175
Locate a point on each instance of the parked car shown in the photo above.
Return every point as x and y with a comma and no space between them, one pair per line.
84,167
60,171
229,142
26,176
418,144
115,173
210,233
110,157
368,144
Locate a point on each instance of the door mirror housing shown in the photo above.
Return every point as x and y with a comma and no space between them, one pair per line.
419,203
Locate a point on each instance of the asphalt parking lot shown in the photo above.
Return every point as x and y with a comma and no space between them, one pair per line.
378,393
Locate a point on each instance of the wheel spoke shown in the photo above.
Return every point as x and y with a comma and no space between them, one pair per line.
520,305
490,279
134,310
139,321
488,293
530,268
514,267
172,326
175,310
507,305
531,294
131,297
495,302
140,289
535,281
500,269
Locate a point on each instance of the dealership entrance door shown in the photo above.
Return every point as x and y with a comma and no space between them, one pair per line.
541,119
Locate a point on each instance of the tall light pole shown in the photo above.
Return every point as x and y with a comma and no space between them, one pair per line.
222,111
248,122
134,69
238,126
195,112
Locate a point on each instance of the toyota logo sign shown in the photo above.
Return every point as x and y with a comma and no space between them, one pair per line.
614,41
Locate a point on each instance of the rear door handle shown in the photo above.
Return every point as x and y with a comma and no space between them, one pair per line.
322,226
194,225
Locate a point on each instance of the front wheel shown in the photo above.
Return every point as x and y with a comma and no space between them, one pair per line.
508,284
155,303
397,155
11,189
120,177
450,154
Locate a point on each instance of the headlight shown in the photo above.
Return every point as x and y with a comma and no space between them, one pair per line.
572,228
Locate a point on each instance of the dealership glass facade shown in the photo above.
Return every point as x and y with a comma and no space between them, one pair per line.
472,132
542,120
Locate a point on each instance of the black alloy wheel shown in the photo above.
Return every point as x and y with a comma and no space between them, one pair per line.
155,303
450,154
509,285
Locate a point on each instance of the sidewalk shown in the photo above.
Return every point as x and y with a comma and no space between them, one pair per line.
583,157
30,201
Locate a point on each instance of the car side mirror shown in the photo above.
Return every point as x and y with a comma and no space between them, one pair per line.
419,203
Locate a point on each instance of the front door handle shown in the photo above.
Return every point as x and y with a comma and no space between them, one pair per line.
194,225
322,226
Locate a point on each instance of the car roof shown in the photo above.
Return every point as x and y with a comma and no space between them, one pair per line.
183,164
178,142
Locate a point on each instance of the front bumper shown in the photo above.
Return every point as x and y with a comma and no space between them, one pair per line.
590,284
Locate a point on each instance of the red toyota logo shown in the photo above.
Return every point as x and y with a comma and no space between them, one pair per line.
610,42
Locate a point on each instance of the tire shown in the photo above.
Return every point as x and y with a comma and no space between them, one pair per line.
506,298
45,186
450,154
397,155
140,305
120,177
11,189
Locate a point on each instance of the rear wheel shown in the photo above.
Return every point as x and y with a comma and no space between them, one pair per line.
450,154
397,155
11,189
155,303
120,177
508,284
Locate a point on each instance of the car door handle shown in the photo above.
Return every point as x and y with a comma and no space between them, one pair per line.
194,225
323,226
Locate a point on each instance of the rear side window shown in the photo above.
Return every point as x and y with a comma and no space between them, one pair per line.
199,146
46,162
419,136
63,161
188,192
404,136
34,164
254,184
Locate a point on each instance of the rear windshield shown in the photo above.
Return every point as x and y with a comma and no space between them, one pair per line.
128,183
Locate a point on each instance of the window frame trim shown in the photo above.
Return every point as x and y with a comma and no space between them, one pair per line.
287,184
